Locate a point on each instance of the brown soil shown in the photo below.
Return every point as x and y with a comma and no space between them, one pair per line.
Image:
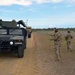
39,58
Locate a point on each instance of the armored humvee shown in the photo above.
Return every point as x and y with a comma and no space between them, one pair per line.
12,38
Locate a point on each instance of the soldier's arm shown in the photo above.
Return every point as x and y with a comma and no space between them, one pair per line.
66,37
71,36
52,38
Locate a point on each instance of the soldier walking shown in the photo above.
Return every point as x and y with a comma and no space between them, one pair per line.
57,44
68,40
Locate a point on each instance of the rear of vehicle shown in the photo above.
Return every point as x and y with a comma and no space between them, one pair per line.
13,39
29,30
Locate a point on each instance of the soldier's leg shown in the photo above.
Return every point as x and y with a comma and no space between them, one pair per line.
57,52
67,45
70,47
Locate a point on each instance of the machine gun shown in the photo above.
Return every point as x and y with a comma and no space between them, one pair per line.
28,28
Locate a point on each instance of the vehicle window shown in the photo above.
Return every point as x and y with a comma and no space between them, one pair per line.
3,31
15,31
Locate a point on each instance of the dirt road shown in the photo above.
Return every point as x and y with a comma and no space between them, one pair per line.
11,65
39,59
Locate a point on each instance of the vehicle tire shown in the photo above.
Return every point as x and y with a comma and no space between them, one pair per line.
20,52
29,35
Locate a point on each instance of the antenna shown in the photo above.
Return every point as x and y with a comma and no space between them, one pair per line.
27,22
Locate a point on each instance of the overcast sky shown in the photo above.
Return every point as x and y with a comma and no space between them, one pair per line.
40,13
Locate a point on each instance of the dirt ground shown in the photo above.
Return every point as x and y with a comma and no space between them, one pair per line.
39,58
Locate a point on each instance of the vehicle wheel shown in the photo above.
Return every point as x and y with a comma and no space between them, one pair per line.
20,52
29,35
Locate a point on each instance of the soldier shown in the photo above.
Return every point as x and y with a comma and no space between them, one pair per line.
68,40
57,43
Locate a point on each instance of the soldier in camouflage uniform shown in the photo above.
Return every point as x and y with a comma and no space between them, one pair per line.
68,40
57,43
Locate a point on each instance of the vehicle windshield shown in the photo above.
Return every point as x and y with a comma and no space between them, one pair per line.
3,31
11,31
15,31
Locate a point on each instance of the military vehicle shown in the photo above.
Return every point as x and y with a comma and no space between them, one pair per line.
29,30
12,37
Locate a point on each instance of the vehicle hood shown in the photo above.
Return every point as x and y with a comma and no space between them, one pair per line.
11,37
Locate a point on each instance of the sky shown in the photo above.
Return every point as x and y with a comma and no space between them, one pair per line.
40,13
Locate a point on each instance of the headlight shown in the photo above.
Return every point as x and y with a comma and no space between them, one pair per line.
11,42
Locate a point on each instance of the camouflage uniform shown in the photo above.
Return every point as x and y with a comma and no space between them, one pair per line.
57,44
68,40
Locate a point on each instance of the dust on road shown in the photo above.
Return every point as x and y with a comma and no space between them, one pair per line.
39,59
